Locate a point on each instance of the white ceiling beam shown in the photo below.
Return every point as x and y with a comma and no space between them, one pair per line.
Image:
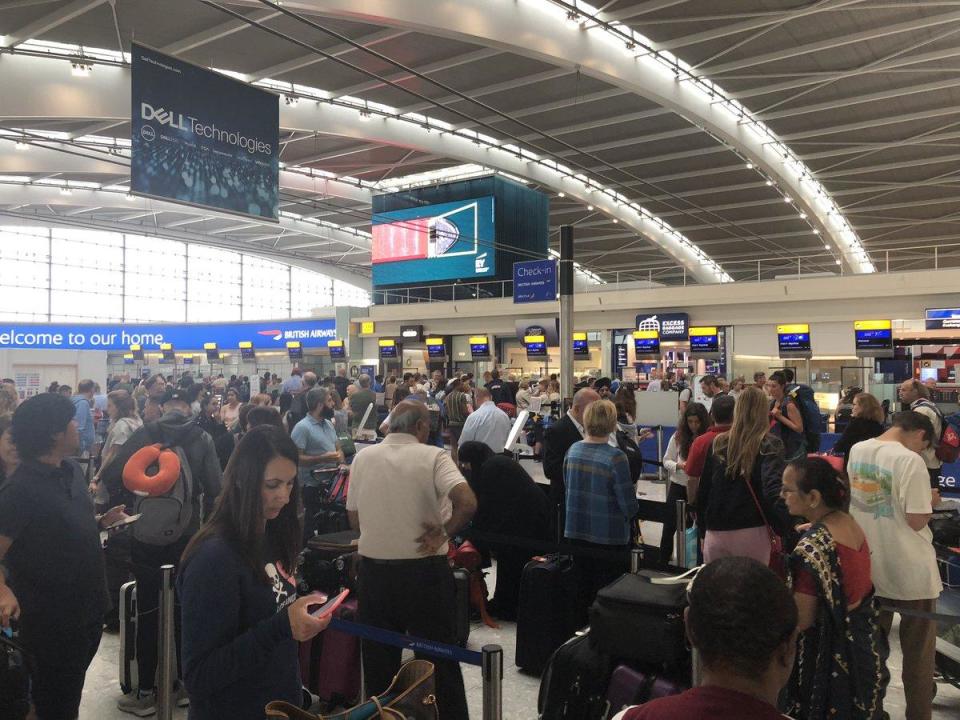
217,32
280,69
44,24
790,51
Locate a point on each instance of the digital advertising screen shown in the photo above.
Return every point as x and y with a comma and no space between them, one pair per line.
873,338
704,341
202,138
388,349
480,347
580,346
536,346
436,349
446,241
337,349
794,340
247,353
295,350
646,343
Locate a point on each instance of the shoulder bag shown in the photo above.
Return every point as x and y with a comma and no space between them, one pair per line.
778,559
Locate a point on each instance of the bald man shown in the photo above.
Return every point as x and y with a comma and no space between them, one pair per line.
557,441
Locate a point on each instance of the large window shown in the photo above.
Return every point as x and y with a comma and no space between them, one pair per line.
68,275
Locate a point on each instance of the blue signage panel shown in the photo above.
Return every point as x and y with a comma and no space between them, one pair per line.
943,318
266,335
447,241
535,281
202,138
671,326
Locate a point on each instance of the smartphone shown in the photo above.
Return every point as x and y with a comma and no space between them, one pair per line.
130,519
330,605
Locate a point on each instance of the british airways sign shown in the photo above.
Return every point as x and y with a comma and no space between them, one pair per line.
266,335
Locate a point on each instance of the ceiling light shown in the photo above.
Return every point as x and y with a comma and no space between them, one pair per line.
769,183
80,69
615,220
21,145
816,232
130,197
291,101
590,207
364,115
749,166
787,198
66,191
803,216
561,194
839,262
826,247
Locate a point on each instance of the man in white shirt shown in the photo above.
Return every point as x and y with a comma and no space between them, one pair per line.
654,383
917,396
407,498
890,498
487,424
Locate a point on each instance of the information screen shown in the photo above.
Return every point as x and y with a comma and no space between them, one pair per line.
704,340
874,336
793,339
437,351
580,346
337,350
213,354
247,352
388,350
646,342
295,350
480,347
536,346
446,241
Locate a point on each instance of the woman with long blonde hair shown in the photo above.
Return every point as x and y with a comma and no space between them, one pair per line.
739,493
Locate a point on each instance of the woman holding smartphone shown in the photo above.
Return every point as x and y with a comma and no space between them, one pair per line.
242,619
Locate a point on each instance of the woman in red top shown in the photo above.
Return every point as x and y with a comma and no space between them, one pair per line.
841,668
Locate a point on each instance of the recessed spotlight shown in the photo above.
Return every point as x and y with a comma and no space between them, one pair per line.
769,183
803,216
615,220
839,262
787,199
590,207
561,194
749,166
816,232
826,247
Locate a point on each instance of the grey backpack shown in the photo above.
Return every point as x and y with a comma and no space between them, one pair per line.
165,518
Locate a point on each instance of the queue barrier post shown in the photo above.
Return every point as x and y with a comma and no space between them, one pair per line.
166,646
636,560
492,682
681,535
660,471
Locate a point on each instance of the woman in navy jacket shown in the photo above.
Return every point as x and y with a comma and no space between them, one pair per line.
242,619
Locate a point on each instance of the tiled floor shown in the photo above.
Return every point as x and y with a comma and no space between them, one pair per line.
519,690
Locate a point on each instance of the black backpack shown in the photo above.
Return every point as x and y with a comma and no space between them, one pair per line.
802,396
574,683
14,679
297,411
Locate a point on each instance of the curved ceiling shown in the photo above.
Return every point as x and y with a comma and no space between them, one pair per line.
857,88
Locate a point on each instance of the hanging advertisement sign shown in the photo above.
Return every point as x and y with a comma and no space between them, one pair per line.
535,281
266,335
671,326
202,138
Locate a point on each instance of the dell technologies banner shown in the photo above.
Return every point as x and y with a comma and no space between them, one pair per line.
202,138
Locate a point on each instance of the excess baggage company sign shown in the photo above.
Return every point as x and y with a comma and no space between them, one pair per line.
202,138
671,326
225,336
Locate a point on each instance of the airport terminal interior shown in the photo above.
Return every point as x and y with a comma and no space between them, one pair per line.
566,238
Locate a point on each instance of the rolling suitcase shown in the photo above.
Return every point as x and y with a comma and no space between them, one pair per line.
547,613
631,687
461,579
128,638
336,675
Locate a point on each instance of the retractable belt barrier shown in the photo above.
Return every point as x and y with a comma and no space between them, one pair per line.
939,617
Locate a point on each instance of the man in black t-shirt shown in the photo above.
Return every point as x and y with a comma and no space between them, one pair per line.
499,390
50,543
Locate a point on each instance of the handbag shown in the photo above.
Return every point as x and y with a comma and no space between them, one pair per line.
778,558
411,696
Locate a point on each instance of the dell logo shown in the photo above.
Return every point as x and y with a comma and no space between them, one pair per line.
164,117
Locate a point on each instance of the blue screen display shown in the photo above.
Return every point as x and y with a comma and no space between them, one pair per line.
437,351
874,339
794,342
536,349
480,350
580,348
388,352
704,343
338,352
447,241
646,346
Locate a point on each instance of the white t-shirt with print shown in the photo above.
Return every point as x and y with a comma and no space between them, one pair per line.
887,481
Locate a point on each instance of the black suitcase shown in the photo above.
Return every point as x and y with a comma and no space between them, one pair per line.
128,638
635,619
574,684
461,579
331,519
547,613
330,546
